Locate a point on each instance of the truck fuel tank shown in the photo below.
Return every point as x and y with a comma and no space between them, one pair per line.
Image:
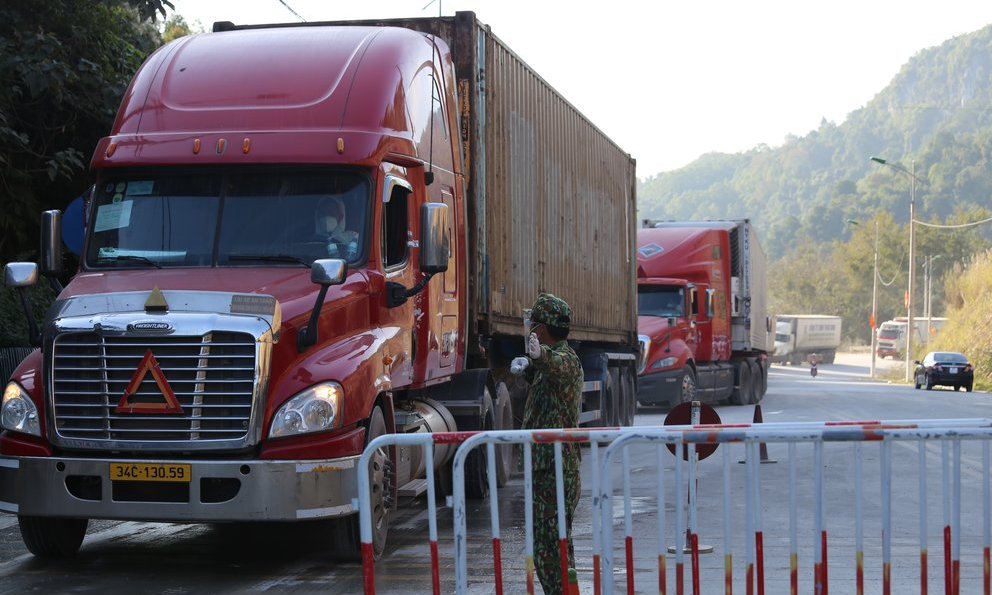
427,416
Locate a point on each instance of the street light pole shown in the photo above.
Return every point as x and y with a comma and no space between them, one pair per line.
910,328
912,255
874,306
928,298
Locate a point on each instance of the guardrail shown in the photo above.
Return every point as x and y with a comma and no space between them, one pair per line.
947,434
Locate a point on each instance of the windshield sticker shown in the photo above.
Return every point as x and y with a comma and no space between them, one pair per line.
264,305
113,216
140,188
650,250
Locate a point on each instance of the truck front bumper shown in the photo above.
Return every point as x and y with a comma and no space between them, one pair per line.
256,490
660,388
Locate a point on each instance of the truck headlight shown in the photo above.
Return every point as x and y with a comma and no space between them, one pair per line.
668,362
18,413
314,410
645,343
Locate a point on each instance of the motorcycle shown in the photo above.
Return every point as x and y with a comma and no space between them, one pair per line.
813,361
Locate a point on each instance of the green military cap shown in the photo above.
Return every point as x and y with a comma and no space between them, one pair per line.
551,310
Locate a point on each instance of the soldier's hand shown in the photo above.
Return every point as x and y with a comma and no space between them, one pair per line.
533,346
518,365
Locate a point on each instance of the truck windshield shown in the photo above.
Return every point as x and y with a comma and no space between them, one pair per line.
657,300
889,333
231,217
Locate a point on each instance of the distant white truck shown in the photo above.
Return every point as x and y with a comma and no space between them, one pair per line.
892,334
799,335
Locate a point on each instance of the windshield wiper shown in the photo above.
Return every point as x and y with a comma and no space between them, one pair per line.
271,258
130,258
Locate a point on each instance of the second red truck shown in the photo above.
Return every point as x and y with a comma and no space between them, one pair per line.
702,318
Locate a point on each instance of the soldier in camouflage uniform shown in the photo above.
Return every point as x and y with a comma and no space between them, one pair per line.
554,373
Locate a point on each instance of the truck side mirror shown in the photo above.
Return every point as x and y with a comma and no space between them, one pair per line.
435,241
51,247
20,276
324,272
328,271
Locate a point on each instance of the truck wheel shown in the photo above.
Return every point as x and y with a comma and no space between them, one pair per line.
347,531
476,470
756,393
688,392
742,392
48,537
630,395
828,357
506,454
608,407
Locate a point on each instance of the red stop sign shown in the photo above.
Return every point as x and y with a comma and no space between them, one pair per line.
681,415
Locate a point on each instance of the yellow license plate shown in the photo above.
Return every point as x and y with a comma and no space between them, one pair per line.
150,472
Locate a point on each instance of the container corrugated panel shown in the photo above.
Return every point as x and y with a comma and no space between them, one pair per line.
551,199
750,330
559,202
760,335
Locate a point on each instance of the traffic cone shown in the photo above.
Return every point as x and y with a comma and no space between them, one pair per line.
762,447
573,582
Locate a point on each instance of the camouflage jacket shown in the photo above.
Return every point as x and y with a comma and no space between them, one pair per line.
553,401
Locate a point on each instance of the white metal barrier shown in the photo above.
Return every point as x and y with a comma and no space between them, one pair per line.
947,434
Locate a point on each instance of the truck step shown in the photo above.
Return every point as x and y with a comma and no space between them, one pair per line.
413,489
588,416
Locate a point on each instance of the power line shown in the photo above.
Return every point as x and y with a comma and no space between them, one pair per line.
960,225
290,9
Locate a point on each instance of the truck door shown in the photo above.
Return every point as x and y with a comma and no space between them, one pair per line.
395,237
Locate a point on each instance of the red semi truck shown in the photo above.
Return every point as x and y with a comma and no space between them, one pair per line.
301,238
702,319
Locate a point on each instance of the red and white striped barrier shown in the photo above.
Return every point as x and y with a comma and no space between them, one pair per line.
948,435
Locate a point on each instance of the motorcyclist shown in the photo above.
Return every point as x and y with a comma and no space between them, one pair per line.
813,360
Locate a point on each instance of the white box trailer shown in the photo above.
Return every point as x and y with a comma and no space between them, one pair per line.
799,335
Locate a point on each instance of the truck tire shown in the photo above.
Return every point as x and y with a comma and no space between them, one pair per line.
608,407
629,385
476,469
688,391
48,537
756,393
506,454
347,531
763,369
829,356
741,394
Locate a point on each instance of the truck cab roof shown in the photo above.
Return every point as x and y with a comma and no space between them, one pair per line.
283,94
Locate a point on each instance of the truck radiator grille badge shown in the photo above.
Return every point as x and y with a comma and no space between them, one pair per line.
169,404
210,379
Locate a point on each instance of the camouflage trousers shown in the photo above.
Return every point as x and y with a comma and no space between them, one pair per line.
547,560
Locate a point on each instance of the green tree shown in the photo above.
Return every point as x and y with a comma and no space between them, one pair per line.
64,65
176,26
63,68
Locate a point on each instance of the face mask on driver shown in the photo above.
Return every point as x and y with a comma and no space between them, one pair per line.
327,224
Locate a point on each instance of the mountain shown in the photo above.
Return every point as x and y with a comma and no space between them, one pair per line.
934,118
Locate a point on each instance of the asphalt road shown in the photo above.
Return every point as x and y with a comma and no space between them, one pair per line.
178,559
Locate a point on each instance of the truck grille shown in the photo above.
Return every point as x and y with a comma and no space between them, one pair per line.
212,376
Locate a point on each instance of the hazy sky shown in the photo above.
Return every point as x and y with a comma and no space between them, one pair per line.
669,80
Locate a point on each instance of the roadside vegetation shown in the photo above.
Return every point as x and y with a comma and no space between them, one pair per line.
969,312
